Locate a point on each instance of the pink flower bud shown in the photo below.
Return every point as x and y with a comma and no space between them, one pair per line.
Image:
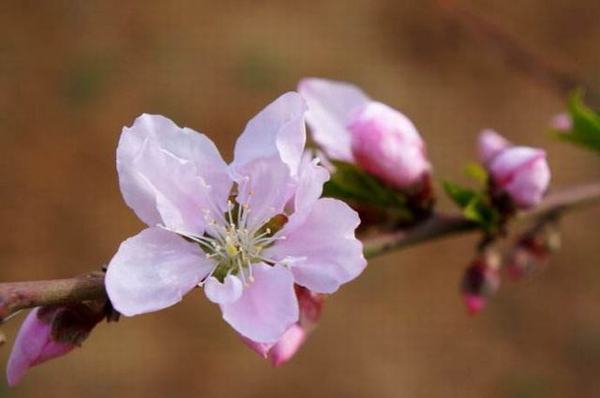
522,173
490,144
533,250
386,144
34,344
523,261
475,304
480,281
283,350
288,345
561,122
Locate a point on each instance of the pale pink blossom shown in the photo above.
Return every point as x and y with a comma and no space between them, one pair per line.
351,127
490,144
522,173
34,345
247,232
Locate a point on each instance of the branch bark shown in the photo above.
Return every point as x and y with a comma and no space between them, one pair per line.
16,296
440,225
21,295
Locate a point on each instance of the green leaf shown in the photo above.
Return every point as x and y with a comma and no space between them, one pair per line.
460,195
474,206
585,130
354,184
477,172
481,212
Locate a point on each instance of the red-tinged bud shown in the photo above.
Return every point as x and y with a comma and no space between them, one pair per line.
474,303
34,345
532,251
51,332
480,281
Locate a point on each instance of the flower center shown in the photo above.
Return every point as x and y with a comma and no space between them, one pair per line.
233,245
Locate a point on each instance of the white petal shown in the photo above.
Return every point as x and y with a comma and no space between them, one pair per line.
277,131
322,249
268,306
330,108
153,270
222,293
170,175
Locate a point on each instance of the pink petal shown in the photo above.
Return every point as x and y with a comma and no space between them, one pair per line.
287,346
386,144
523,173
277,131
268,306
261,349
222,293
170,175
322,250
33,345
153,270
330,107
490,144
529,186
509,162
284,349
311,178
311,306
265,185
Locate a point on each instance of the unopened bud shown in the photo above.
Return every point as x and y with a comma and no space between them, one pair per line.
480,281
386,144
51,332
522,173
532,251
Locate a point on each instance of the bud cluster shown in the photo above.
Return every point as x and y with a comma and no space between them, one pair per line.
481,281
530,252
533,250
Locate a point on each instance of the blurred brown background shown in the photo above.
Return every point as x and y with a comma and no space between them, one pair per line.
72,73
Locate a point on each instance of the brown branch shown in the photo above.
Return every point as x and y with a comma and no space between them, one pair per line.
21,295
440,225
